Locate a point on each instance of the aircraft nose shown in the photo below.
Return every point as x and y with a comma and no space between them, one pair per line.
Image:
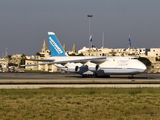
143,67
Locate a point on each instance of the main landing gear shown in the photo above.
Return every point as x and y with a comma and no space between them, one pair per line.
94,76
89,75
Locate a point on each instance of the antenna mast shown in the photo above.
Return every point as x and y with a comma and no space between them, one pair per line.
6,52
103,40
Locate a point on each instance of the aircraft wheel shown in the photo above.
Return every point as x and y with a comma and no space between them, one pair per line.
108,76
85,76
88,76
94,76
130,77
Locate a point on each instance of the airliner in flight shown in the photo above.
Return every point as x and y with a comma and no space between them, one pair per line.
90,66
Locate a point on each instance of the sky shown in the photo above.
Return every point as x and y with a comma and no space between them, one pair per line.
24,24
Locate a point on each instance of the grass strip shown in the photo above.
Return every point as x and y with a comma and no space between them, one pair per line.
85,103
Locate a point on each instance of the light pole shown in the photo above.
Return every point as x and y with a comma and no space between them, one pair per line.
89,31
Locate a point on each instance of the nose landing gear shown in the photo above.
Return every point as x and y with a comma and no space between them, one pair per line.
130,77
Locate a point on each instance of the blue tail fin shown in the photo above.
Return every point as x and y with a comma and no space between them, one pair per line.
55,46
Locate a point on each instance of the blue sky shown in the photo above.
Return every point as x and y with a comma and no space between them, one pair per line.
24,24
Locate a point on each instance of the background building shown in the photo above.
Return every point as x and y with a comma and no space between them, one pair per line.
155,52
45,53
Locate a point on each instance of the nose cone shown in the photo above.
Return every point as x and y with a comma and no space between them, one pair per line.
142,67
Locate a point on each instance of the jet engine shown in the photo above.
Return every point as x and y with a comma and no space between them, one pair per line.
73,69
92,66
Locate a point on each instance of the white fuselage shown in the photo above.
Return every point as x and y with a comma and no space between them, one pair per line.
122,65
111,66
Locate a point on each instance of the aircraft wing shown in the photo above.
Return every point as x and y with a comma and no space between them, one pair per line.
97,60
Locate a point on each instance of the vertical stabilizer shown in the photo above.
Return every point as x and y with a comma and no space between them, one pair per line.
55,46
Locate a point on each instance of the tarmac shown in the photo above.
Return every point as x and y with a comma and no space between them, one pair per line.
72,80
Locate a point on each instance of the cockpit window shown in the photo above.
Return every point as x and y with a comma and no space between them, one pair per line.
133,58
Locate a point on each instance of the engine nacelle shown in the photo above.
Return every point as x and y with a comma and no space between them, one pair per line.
77,69
92,66
73,69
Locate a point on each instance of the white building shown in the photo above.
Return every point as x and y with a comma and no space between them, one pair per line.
137,51
155,52
84,49
2,60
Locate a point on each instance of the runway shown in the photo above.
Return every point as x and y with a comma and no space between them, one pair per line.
71,80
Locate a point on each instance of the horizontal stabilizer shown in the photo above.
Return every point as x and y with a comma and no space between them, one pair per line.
46,60
38,64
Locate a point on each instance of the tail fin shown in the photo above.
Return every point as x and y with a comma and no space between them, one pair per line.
55,46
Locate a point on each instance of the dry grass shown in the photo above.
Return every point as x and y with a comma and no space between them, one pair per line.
73,104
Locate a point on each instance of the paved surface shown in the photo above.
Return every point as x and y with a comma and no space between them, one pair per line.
73,77
70,76
78,86
65,80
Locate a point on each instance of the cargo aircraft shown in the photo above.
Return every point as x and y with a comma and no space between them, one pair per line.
90,66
